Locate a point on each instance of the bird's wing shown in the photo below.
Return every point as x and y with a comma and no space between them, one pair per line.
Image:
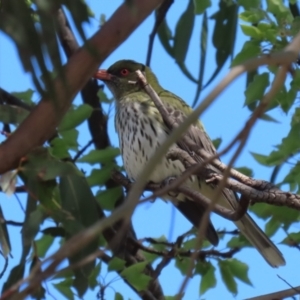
179,110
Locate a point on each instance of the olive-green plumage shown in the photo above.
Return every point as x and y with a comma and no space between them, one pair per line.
141,131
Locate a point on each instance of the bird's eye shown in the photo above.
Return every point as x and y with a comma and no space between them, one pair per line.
124,72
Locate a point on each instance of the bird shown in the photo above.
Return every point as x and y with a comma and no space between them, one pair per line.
141,130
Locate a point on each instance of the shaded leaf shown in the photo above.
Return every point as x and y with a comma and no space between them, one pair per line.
272,226
100,156
12,114
108,198
134,275
43,244
165,35
201,6
225,21
70,138
239,270
252,31
116,264
292,239
64,287
75,117
208,278
256,88
183,264
118,296
227,276
93,282
250,49
80,208
26,96
183,32
238,242
99,176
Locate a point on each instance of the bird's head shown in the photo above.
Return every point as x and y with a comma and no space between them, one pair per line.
122,80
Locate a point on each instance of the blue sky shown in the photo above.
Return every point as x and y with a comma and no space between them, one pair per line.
223,119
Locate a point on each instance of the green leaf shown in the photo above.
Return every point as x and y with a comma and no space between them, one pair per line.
15,275
108,198
250,49
80,211
272,226
262,159
225,21
249,4
279,10
43,244
253,16
93,282
41,165
256,89
183,264
134,275
183,33
59,148
238,242
268,118
64,287
75,117
165,35
190,244
33,219
239,270
217,142
262,210
99,176
103,97
252,31
118,296
227,276
208,278
116,264
159,245
26,96
100,156
201,6
292,239
12,114
70,138
150,257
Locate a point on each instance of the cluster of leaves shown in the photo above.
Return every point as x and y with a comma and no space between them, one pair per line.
59,191
177,44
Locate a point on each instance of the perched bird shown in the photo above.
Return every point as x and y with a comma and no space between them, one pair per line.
141,131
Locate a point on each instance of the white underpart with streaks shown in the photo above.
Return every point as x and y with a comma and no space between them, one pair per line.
138,145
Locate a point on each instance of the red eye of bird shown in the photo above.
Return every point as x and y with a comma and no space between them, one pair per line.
124,72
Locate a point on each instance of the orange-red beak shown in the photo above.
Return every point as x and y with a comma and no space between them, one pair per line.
102,75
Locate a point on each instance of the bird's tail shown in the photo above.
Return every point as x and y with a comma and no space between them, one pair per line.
260,241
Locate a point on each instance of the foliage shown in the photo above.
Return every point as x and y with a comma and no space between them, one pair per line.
63,198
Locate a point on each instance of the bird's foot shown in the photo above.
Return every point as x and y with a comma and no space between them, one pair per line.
168,181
